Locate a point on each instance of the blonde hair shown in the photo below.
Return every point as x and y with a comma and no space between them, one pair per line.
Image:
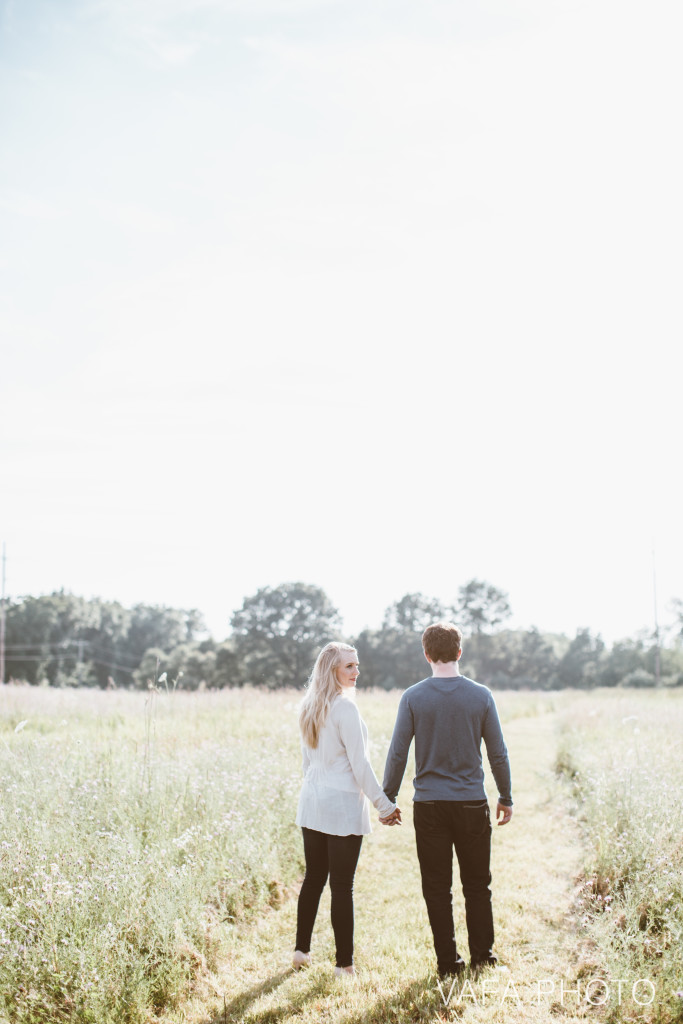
323,686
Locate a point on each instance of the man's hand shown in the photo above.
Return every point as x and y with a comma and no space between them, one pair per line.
505,811
392,819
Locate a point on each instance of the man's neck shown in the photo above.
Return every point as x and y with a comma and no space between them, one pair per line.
445,669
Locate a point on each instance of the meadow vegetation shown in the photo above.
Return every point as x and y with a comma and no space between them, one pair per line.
622,756
134,830
149,862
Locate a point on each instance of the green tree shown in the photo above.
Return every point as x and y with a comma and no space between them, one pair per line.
581,664
66,639
162,627
371,651
412,614
393,656
513,659
624,658
46,637
279,631
191,666
106,646
228,669
150,669
480,607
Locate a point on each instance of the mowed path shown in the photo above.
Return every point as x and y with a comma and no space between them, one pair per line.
536,859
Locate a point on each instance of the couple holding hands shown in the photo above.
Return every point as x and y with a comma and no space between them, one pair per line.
448,715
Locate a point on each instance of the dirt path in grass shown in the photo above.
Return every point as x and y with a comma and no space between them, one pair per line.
536,859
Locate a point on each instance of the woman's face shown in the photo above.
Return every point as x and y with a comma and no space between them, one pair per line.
347,669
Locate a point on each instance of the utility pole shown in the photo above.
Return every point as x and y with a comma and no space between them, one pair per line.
2,619
654,592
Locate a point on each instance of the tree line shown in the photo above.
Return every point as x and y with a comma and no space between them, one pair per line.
61,639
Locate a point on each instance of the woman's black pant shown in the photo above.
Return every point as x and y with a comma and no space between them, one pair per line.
336,856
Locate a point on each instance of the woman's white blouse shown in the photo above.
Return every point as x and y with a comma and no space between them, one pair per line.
338,778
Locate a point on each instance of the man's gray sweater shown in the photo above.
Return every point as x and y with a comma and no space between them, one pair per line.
448,717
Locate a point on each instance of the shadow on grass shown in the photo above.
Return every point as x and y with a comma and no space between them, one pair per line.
240,1004
238,1008
418,1001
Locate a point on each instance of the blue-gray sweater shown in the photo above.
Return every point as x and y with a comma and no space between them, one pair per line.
448,717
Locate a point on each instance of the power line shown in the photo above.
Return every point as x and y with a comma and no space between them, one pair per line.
94,661
55,648
41,646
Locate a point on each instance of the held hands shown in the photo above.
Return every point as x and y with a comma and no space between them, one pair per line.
503,815
393,819
505,811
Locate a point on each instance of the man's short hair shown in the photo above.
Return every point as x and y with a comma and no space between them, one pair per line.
442,641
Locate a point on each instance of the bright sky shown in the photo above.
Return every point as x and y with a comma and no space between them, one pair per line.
375,294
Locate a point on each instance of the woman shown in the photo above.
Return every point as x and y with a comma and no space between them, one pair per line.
334,812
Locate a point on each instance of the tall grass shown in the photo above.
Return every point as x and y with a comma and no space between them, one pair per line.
133,830
623,755
138,831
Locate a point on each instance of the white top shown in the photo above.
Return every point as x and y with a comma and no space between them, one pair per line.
338,778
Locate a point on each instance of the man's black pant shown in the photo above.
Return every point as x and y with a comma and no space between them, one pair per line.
441,825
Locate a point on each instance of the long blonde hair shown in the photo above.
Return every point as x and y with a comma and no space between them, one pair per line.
323,686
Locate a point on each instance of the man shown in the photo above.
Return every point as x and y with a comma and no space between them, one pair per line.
449,715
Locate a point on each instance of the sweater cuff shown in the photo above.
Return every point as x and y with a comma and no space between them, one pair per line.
385,813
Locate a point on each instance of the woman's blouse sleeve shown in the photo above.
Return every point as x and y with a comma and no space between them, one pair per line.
305,758
351,733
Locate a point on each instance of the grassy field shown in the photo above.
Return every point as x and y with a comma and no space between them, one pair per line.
149,866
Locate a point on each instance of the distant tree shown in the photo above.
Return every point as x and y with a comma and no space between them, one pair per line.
486,658
106,648
66,639
672,664
191,666
392,656
581,664
640,677
279,631
511,659
373,668
152,667
534,663
677,608
412,614
162,627
480,607
623,659
119,646
228,668
46,637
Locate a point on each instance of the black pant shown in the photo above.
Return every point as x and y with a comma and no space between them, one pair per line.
338,857
441,825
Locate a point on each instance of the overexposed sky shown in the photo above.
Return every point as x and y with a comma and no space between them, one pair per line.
376,295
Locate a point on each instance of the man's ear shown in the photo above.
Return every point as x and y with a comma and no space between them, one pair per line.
427,656
459,655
